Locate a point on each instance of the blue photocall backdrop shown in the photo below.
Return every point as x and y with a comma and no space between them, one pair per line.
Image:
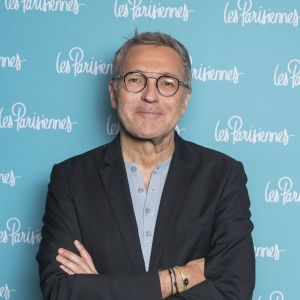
55,64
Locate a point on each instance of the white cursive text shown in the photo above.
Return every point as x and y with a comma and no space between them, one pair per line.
13,234
283,192
137,9
275,295
9,178
272,252
70,6
244,14
76,64
209,74
291,76
5,291
13,62
112,127
21,120
236,133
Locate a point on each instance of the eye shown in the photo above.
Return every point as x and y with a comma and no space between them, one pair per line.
167,82
134,79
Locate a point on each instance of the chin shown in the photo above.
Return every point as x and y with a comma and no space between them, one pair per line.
150,135
147,136
143,133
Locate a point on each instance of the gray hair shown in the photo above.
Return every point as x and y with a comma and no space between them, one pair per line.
153,38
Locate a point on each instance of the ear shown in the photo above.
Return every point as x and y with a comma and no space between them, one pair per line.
185,103
113,95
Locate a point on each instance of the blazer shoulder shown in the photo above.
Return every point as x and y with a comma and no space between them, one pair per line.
214,162
87,159
205,154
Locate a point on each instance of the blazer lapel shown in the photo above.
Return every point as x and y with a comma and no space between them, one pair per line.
178,178
113,175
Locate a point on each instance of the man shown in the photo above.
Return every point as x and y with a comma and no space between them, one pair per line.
148,216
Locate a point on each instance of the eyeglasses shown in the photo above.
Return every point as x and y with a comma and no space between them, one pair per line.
166,85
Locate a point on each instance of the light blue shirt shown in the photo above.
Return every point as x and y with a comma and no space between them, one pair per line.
146,202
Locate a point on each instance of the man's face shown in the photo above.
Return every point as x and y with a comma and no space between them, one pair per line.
147,114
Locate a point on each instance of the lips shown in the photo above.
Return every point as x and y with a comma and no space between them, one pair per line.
148,112
145,111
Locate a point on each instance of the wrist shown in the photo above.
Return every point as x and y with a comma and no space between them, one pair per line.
194,271
183,278
165,283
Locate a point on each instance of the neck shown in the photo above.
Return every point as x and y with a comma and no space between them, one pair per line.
146,153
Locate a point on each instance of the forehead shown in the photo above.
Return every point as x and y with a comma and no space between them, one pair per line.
153,58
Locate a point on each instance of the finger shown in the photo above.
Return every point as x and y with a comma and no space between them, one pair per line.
69,265
200,261
73,261
85,255
83,252
67,270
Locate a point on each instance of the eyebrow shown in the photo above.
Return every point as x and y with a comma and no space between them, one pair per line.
157,73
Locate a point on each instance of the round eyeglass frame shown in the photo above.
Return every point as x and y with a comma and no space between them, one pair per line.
120,76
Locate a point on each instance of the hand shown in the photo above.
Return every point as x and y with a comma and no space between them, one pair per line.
72,263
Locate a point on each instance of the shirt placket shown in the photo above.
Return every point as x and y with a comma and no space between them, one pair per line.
149,210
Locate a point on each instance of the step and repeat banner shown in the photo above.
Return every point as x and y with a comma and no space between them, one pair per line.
55,65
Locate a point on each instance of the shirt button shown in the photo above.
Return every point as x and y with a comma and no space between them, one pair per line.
148,233
148,211
133,169
140,190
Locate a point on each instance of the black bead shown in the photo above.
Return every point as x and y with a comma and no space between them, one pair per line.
185,281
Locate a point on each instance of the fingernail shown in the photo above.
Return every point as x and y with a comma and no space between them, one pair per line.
77,243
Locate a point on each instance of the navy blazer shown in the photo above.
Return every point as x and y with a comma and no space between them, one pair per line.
204,212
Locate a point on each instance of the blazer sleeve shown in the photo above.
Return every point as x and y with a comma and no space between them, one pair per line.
230,263
60,229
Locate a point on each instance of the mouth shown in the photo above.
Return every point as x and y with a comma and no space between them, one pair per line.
148,113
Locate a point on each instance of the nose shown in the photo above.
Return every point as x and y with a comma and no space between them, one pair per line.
150,92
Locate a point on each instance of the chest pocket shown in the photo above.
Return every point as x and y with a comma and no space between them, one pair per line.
194,225
191,240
